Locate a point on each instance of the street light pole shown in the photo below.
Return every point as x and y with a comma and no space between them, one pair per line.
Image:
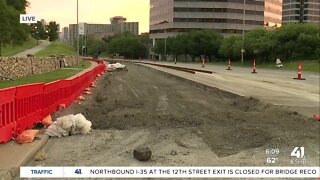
165,44
78,31
244,24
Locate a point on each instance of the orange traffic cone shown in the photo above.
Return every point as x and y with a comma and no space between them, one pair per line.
229,65
300,73
316,117
254,67
80,98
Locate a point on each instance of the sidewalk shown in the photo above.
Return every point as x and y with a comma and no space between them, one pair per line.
42,45
13,155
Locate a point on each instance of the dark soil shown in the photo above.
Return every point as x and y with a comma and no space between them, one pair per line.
146,98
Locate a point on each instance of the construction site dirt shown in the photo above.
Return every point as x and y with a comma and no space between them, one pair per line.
183,124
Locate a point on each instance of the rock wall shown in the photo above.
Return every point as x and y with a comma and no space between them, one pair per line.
16,67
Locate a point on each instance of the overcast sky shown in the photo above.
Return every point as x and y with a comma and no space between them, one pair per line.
64,12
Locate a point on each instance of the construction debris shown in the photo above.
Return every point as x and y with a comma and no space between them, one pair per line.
142,153
27,136
116,66
41,156
69,125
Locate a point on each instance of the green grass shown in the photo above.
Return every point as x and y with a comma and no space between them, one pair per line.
307,65
47,77
82,65
10,50
57,48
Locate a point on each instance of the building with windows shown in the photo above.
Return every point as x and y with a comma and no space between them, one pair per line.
301,11
272,13
170,17
99,31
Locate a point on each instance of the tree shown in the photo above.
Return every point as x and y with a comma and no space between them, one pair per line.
38,32
5,26
95,46
159,47
204,42
297,40
228,48
52,31
10,28
127,45
19,5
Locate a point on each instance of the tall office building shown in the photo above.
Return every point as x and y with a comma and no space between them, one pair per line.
301,11
170,17
272,13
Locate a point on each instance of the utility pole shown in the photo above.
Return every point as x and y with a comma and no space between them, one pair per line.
165,44
78,32
244,24
85,42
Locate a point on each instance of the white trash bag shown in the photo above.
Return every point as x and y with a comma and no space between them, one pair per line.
69,125
116,66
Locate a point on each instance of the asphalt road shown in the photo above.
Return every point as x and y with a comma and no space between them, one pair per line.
42,45
272,86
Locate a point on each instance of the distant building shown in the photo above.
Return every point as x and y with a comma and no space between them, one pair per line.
99,31
58,28
43,22
301,11
65,34
117,20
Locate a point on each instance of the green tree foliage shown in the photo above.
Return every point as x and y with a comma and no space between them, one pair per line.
95,46
127,45
230,47
204,42
291,41
159,47
194,43
11,31
37,31
52,31
19,5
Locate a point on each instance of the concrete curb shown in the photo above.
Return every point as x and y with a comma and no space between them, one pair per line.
14,155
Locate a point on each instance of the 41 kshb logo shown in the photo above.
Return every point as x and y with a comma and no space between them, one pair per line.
298,156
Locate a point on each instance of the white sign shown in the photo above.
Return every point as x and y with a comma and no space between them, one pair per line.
81,28
28,19
169,172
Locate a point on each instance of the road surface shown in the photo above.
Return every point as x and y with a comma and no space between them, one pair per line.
184,125
42,45
272,86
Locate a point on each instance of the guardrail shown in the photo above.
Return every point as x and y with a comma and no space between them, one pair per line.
23,106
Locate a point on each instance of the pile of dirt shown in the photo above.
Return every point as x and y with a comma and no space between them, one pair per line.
142,98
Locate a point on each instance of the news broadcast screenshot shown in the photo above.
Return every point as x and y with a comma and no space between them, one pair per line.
159,89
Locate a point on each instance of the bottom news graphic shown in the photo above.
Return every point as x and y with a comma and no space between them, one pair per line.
169,172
